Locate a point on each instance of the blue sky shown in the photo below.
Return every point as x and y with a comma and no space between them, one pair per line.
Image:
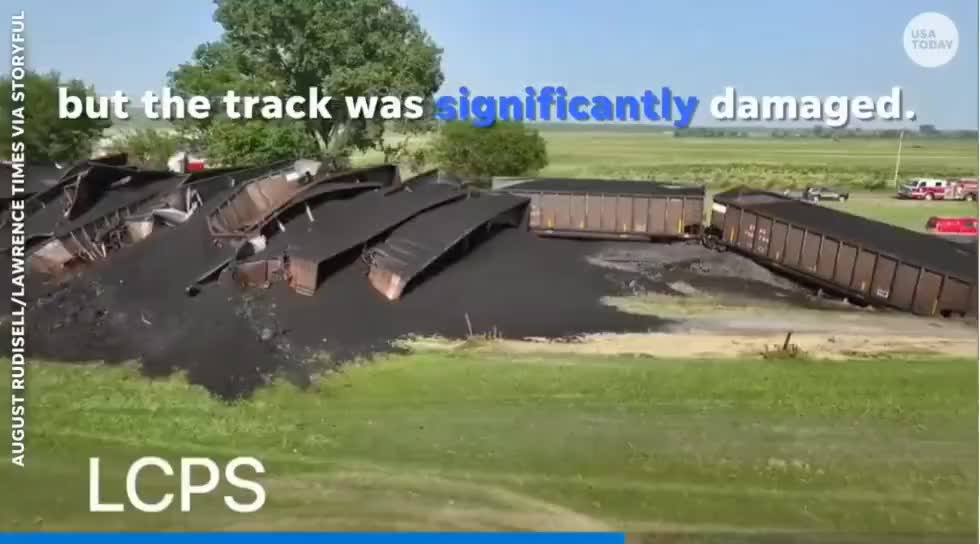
832,47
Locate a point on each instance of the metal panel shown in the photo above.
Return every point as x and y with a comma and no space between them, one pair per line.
593,211
624,214
777,245
846,258
828,258
794,246
881,283
658,216
731,225
693,212
549,203
302,276
577,211
534,215
640,214
608,222
762,234
863,270
746,235
927,293
675,216
563,219
955,296
903,288
811,247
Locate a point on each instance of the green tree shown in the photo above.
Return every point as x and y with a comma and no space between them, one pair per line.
477,153
149,148
46,137
285,47
258,142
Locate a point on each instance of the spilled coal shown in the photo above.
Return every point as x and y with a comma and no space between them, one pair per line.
134,306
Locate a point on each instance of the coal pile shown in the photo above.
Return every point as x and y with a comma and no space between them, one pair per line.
134,303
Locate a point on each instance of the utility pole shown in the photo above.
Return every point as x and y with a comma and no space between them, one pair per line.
898,158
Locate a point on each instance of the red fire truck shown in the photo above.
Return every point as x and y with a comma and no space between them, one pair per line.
940,189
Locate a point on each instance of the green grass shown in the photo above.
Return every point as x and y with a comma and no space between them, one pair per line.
452,441
911,214
867,163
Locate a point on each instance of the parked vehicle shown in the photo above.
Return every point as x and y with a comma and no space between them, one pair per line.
940,189
953,226
183,162
963,189
816,194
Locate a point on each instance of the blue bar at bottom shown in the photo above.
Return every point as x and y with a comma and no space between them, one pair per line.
320,538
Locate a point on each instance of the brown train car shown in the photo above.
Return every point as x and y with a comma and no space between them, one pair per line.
614,209
865,260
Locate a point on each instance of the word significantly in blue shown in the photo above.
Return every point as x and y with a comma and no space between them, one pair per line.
317,538
555,104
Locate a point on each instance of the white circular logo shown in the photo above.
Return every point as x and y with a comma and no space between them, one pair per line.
931,39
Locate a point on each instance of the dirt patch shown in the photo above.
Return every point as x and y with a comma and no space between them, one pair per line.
690,268
722,346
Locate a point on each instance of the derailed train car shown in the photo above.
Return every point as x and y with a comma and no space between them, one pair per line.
612,209
865,260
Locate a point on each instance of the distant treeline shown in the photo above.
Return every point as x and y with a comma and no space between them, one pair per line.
820,131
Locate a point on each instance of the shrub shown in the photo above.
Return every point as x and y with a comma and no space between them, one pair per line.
477,153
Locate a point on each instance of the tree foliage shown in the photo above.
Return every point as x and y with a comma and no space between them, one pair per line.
46,137
285,47
258,142
149,148
502,149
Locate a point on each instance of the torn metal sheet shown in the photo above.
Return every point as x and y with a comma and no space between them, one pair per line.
256,204
255,200
415,246
126,215
45,183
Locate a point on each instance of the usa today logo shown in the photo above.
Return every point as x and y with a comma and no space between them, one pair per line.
931,39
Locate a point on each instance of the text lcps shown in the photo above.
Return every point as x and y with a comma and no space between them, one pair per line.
166,105
194,476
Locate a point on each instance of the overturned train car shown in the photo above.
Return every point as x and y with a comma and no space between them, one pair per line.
867,261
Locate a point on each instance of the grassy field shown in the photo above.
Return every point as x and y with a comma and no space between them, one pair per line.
911,214
456,441
857,163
